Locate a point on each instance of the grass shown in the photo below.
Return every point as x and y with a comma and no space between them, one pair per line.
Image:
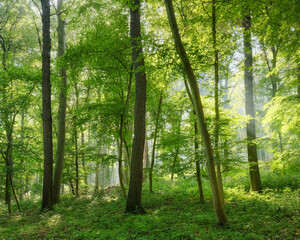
173,212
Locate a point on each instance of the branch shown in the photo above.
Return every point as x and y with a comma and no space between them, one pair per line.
205,9
19,109
37,6
266,58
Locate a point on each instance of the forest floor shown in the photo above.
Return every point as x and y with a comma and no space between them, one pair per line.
173,212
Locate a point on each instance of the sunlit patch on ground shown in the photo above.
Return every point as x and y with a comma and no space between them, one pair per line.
54,220
110,199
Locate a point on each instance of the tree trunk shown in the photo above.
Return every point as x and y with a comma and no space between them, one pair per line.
9,167
217,198
251,133
154,142
127,153
134,200
83,164
122,138
9,141
61,135
76,162
76,142
120,157
145,161
174,163
197,162
47,117
274,88
97,176
22,160
217,111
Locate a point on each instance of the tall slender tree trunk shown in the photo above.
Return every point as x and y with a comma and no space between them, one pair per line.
76,162
134,199
127,153
83,164
8,152
145,161
174,163
61,135
217,198
275,87
121,157
9,166
197,163
154,142
217,111
249,95
76,142
196,144
122,118
22,160
47,116
97,174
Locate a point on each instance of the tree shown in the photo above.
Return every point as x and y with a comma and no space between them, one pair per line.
249,96
134,199
218,201
154,142
196,145
61,135
47,116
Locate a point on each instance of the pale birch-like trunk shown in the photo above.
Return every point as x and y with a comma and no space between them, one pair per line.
217,198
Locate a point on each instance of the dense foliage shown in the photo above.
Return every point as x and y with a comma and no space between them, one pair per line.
100,95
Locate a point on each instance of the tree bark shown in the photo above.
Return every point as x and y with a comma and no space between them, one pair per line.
122,118
47,116
134,200
197,163
249,95
22,160
83,164
61,135
174,163
154,142
121,156
217,198
196,144
76,162
9,140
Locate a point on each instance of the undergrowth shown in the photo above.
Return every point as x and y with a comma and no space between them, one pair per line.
173,212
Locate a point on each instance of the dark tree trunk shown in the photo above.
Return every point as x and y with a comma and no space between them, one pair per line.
249,95
47,117
217,198
61,135
134,200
